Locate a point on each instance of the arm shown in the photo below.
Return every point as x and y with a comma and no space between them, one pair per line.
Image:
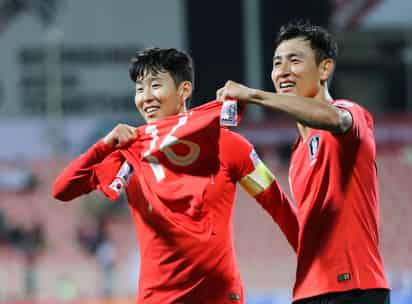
307,111
79,177
262,185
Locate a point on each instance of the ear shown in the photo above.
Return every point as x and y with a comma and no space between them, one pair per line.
185,90
326,68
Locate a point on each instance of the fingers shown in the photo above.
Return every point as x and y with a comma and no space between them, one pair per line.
235,91
131,131
221,94
225,92
124,135
120,136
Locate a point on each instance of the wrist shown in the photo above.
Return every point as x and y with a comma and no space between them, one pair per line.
253,95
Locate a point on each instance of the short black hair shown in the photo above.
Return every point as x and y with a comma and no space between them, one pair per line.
321,41
156,60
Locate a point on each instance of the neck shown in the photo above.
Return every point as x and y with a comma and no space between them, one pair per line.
326,96
303,130
323,94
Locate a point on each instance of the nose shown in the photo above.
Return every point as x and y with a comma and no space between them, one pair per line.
282,69
144,96
147,94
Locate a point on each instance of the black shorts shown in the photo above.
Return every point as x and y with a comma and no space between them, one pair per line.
356,296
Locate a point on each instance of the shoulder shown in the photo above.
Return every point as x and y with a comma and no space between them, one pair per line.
236,153
232,140
350,106
234,149
359,113
362,121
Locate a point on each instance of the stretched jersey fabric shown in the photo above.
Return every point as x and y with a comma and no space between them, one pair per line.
334,182
180,179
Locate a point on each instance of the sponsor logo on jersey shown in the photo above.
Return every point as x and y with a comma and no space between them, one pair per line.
234,297
342,277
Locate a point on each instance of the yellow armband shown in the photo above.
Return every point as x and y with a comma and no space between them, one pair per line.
259,179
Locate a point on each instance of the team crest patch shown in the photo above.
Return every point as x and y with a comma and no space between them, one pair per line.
313,147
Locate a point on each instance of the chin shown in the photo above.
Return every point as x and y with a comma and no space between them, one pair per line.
152,119
149,119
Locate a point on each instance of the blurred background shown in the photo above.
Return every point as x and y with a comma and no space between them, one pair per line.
64,84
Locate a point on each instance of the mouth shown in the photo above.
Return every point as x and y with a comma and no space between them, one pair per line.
151,110
286,86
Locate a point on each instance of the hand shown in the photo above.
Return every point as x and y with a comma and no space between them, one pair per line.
234,90
120,136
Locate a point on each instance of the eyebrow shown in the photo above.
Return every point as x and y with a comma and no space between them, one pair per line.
289,55
151,78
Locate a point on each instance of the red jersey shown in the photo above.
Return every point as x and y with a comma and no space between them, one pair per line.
334,182
178,265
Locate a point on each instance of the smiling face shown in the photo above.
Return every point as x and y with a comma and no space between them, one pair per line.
295,71
157,96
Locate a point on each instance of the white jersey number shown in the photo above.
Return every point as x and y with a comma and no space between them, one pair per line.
165,146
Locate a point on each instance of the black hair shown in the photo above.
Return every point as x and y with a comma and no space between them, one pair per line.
321,41
156,60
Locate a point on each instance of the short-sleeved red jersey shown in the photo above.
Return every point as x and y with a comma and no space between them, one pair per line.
177,267
333,179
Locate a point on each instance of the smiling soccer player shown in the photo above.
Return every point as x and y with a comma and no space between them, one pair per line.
179,173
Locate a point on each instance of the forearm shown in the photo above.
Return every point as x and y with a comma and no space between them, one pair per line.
262,185
282,211
307,111
78,177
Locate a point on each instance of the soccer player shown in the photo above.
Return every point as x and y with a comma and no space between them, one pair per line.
332,174
180,190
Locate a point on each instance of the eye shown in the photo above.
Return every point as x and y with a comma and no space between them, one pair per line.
276,64
156,85
139,89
